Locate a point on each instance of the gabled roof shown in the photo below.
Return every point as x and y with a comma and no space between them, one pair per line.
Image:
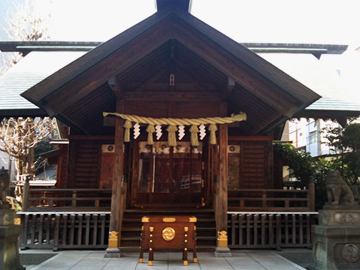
78,93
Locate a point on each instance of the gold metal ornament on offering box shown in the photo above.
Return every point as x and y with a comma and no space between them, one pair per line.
168,233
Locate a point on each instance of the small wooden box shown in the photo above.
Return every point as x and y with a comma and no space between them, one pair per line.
168,233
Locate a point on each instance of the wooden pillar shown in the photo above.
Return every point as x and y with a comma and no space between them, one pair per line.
71,168
221,196
61,164
26,194
118,192
221,208
311,196
222,188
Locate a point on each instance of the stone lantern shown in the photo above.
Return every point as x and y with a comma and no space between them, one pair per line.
9,233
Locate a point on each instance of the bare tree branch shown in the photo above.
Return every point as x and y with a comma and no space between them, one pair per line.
25,23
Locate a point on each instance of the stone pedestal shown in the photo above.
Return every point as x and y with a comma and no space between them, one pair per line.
9,241
222,252
337,239
112,253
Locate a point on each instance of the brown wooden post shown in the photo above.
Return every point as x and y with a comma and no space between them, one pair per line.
61,173
117,207
222,200
311,196
26,193
221,207
73,147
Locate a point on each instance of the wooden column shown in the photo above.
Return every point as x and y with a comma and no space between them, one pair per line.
26,194
61,164
118,192
311,196
221,196
222,188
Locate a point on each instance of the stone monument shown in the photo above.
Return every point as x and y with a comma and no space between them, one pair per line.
337,237
9,233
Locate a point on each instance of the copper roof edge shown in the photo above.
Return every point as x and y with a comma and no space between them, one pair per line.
16,46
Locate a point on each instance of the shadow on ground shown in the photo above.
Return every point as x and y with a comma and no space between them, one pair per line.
301,257
34,258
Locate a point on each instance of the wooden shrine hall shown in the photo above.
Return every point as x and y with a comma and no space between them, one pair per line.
170,117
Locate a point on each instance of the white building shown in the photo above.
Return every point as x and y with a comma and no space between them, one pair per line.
309,135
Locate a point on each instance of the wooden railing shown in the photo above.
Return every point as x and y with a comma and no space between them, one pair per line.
89,230
68,199
70,230
271,200
270,230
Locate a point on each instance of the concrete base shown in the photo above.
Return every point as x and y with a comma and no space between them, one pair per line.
222,252
339,217
9,248
112,253
337,240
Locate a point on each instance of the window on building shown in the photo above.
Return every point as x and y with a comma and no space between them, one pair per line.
313,137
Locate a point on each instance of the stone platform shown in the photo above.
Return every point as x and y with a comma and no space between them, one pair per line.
337,239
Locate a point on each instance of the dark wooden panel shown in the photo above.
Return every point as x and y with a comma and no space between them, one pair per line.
146,108
196,109
253,164
85,171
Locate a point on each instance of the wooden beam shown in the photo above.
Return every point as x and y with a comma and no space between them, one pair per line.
250,138
91,138
115,87
117,200
172,96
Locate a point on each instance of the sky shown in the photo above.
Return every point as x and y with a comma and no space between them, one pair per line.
267,21
261,21
275,21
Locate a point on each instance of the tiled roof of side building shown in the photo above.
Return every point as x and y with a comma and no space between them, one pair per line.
32,69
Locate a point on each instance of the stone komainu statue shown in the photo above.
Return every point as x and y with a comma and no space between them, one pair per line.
338,192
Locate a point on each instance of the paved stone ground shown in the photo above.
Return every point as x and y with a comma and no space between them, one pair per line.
35,259
302,257
94,260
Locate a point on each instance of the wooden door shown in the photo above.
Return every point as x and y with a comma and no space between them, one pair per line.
165,176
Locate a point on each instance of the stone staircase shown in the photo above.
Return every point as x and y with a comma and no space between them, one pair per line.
205,227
